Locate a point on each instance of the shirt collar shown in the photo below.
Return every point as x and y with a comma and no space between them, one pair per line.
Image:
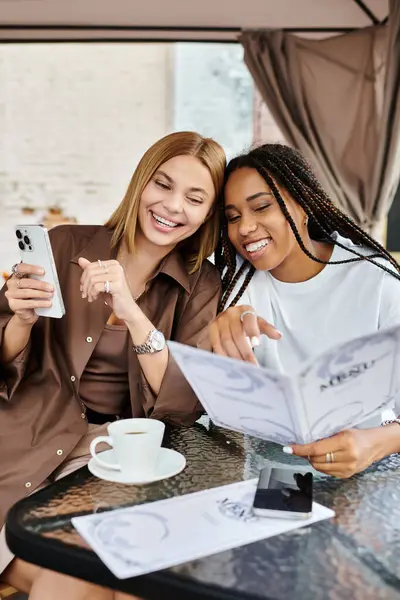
99,248
174,266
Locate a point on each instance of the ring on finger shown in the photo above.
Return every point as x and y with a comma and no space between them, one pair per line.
247,312
15,272
101,264
107,287
329,457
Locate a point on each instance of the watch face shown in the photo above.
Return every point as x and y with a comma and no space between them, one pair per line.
158,341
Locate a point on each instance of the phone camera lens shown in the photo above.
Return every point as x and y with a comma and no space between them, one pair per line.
21,245
18,234
27,240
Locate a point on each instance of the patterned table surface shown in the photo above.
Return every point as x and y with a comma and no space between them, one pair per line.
354,556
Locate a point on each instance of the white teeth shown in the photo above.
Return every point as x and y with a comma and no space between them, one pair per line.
257,245
164,221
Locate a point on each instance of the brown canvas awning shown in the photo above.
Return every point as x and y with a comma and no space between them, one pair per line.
207,20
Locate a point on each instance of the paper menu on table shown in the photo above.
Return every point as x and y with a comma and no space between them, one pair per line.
149,537
335,390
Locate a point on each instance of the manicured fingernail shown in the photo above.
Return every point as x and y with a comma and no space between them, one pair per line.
83,296
287,449
49,287
254,341
40,271
248,341
279,332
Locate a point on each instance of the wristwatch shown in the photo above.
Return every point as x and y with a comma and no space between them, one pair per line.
155,343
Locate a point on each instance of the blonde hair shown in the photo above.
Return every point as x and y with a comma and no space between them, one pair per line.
203,242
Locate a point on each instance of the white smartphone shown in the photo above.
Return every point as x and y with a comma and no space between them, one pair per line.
284,493
35,249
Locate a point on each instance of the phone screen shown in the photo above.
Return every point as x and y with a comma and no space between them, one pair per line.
284,490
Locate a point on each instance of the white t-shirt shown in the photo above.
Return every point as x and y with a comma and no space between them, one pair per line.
340,303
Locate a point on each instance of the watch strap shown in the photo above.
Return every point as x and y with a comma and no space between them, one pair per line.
390,421
147,347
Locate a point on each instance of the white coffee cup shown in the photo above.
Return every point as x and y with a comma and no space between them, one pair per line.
136,444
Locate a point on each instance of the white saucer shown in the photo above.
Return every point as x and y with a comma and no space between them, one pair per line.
169,463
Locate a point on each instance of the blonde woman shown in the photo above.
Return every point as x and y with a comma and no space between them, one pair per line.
141,278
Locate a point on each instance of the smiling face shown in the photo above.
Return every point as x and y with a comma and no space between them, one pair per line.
257,226
176,201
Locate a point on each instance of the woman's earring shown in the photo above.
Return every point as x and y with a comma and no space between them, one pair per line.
306,221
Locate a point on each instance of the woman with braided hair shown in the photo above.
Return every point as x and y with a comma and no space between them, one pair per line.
298,277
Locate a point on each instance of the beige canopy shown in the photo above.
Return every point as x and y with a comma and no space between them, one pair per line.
212,20
361,176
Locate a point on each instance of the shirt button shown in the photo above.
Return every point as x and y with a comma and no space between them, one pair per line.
59,452
72,377
28,484
89,339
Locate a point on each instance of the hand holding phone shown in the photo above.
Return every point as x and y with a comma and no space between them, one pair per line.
284,493
37,292
25,295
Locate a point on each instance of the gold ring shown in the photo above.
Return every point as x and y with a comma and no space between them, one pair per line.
329,457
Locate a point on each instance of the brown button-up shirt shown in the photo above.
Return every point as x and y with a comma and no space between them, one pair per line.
40,411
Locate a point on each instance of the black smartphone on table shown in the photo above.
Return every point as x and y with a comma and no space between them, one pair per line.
284,493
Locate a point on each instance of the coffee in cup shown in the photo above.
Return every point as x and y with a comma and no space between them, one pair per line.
136,443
